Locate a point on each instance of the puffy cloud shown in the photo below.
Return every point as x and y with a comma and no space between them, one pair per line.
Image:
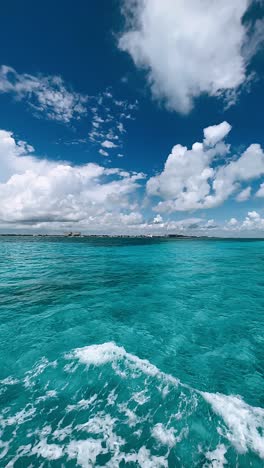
197,178
180,45
158,219
108,144
232,222
252,225
103,152
215,133
39,192
253,222
183,226
210,224
249,166
47,95
111,136
56,196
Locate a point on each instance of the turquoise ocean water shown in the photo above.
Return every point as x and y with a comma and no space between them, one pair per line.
131,352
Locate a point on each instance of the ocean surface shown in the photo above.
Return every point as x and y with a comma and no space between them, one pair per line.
131,352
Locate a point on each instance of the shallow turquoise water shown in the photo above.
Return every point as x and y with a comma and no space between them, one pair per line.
122,352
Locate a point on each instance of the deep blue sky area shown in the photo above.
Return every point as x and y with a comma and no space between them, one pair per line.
78,41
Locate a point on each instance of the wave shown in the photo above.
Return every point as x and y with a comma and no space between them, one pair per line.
102,406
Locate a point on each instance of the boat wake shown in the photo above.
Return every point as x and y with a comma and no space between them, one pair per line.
101,406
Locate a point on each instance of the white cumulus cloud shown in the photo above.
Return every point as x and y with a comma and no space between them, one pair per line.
108,144
253,222
158,219
197,178
39,192
47,195
215,133
190,48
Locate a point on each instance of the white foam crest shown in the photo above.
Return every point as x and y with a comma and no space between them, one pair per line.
141,397
105,353
61,433
111,398
132,418
82,404
48,394
19,418
4,446
47,451
84,451
22,451
98,355
168,436
114,411
143,458
9,381
163,435
216,457
39,368
245,423
103,424
146,460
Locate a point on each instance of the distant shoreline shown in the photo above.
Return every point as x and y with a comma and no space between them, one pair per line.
128,236
110,236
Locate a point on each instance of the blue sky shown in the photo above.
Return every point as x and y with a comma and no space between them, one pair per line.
101,92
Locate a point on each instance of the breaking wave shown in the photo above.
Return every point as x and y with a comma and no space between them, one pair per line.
101,406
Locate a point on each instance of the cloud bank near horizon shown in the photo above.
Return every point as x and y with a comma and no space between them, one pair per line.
42,194
39,192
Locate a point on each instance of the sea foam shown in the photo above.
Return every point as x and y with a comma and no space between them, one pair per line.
110,407
244,423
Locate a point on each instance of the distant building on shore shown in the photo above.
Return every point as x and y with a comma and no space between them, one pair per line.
72,234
